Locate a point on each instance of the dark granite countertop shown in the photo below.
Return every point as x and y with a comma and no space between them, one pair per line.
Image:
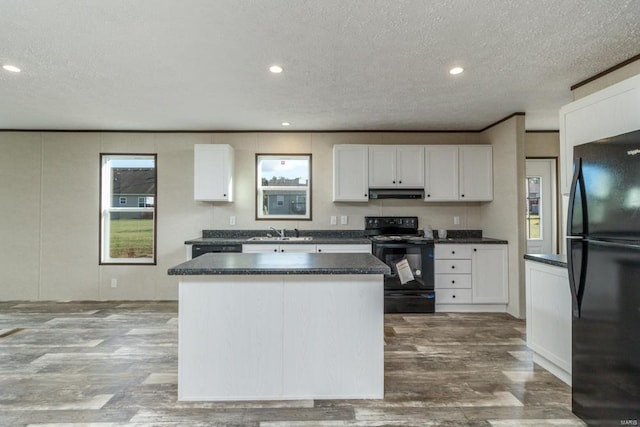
280,263
551,259
472,240
314,241
322,237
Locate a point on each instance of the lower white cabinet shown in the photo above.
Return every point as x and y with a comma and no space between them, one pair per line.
471,277
267,248
307,248
343,249
549,318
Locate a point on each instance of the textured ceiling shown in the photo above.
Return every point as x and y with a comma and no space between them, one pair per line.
348,65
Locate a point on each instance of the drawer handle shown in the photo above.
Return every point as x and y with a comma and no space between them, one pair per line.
453,281
319,250
475,250
275,250
453,266
453,252
454,296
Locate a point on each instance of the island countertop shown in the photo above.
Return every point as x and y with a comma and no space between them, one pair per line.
280,263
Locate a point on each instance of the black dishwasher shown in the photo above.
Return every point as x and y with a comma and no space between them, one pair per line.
202,248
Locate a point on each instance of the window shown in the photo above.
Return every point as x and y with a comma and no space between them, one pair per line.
283,186
127,231
533,215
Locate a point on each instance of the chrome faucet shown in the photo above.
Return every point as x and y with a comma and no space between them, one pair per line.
280,232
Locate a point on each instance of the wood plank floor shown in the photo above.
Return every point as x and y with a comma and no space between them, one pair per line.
115,364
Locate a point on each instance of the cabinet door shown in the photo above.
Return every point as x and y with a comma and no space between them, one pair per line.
441,173
350,173
410,166
343,249
489,274
295,248
476,172
382,166
257,249
212,172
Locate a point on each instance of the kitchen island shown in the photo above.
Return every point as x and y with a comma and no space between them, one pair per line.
280,326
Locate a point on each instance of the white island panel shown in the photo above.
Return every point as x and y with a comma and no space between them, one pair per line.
549,318
230,334
333,337
256,337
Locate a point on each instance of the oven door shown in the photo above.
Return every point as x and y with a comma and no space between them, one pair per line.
420,259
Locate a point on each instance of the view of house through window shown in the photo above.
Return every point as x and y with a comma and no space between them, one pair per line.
533,216
283,186
128,208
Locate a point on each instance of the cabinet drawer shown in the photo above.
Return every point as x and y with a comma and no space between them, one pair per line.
452,251
453,296
451,281
452,266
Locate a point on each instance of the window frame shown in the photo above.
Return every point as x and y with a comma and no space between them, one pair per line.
104,202
260,189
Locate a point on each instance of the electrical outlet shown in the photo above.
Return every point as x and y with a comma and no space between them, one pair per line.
114,283
343,220
334,220
232,220
456,220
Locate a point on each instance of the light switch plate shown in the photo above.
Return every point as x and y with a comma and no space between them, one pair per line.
232,220
456,220
334,220
343,220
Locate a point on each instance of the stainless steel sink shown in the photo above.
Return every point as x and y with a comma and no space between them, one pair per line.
279,239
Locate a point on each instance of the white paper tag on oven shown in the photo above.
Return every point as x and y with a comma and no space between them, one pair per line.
404,271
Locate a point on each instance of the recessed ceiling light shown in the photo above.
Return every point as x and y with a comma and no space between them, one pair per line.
456,70
275,69
286,124
11,68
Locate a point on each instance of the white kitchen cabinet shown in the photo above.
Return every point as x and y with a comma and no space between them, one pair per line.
396,166
343,249
489,274
452,267
608,112
350,173
213,172
441,173
548,301
306,248
458,173
284,248
476,172
471,277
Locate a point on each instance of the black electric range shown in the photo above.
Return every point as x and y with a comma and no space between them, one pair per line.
409,288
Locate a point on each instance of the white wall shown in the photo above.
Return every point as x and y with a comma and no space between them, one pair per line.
504,217
49,219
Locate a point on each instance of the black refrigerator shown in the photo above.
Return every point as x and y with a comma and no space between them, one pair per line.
603,254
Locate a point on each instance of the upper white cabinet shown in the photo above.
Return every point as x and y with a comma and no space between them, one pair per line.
458,172
603,114
396,166
441,173
213,172
350,173
476,172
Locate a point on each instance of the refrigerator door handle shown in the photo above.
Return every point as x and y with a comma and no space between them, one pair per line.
572,281
576,284
577,181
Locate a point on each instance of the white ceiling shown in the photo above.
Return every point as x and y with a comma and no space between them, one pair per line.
348,65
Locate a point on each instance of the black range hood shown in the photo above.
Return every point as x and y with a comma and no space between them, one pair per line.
396,193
